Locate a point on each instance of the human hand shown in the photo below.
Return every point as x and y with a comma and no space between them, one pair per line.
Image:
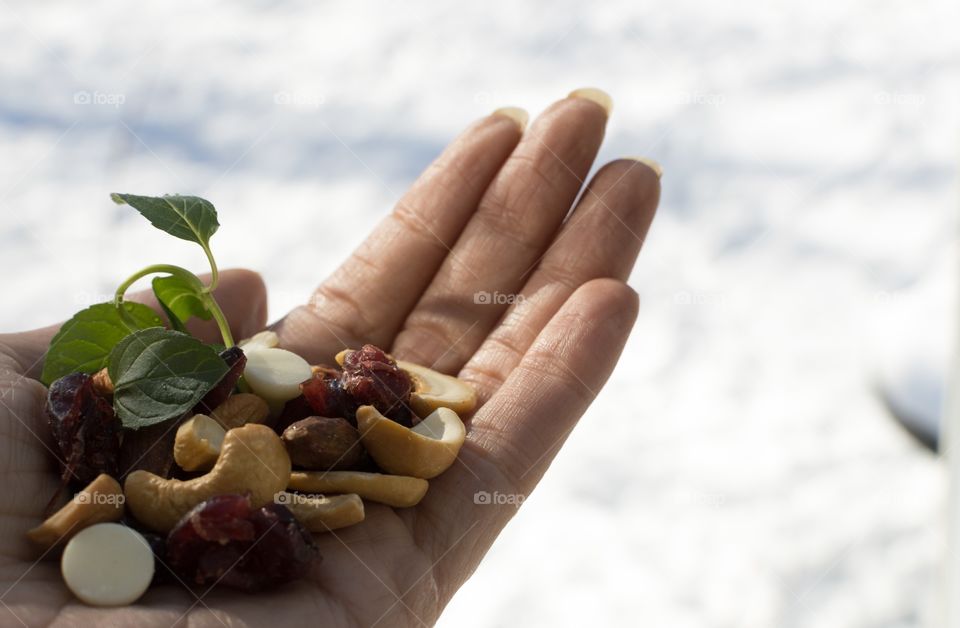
477,273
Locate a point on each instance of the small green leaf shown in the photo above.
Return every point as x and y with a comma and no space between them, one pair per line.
84,342
186,217
159,374
180,300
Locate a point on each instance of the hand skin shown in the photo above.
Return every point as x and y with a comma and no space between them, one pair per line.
488,216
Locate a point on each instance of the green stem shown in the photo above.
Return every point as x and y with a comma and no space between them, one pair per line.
218,316
214,272
203,291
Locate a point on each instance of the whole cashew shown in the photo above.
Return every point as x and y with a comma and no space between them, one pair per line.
252,460
398,491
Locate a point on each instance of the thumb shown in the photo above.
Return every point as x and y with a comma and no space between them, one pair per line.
241,294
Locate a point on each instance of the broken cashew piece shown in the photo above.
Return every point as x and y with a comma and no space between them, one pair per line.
101,501
252,460
432,390
198,442
398,491
318,513
424,451
240,409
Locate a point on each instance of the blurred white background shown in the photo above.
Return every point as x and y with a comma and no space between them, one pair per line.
738,470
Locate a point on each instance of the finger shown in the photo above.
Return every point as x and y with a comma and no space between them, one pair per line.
241,294
515,222
602,238
369,296
514,437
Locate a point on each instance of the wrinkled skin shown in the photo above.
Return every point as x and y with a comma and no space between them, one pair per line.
497,201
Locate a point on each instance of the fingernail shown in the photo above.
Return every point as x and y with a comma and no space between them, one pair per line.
650,163
593,94
518,115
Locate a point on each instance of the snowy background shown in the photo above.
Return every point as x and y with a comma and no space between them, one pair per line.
738,470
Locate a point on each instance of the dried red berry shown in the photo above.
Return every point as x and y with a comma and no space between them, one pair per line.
226,541
236,359
85,428
327,397
371,377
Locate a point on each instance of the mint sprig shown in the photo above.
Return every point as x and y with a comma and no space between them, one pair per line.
158,374
189,218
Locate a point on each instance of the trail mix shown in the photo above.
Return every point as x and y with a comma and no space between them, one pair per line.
197,464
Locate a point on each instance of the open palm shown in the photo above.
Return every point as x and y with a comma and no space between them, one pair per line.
481,271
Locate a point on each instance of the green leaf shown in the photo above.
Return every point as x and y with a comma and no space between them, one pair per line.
180,300
186,217
84,342
159,374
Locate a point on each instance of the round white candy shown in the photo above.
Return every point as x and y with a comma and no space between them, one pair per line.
275,374
107,564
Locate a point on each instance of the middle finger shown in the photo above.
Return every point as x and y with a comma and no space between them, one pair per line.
516,220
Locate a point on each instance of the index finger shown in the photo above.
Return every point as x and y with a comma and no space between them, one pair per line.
369,296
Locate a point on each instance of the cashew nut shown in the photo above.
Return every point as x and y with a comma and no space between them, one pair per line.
252,460
432,390
318,513
100,501
393,490
240,409
102,382
198,442
424,451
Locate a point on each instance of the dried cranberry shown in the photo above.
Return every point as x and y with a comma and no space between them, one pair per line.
85,428
236,359
225,540
327,397
371,377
